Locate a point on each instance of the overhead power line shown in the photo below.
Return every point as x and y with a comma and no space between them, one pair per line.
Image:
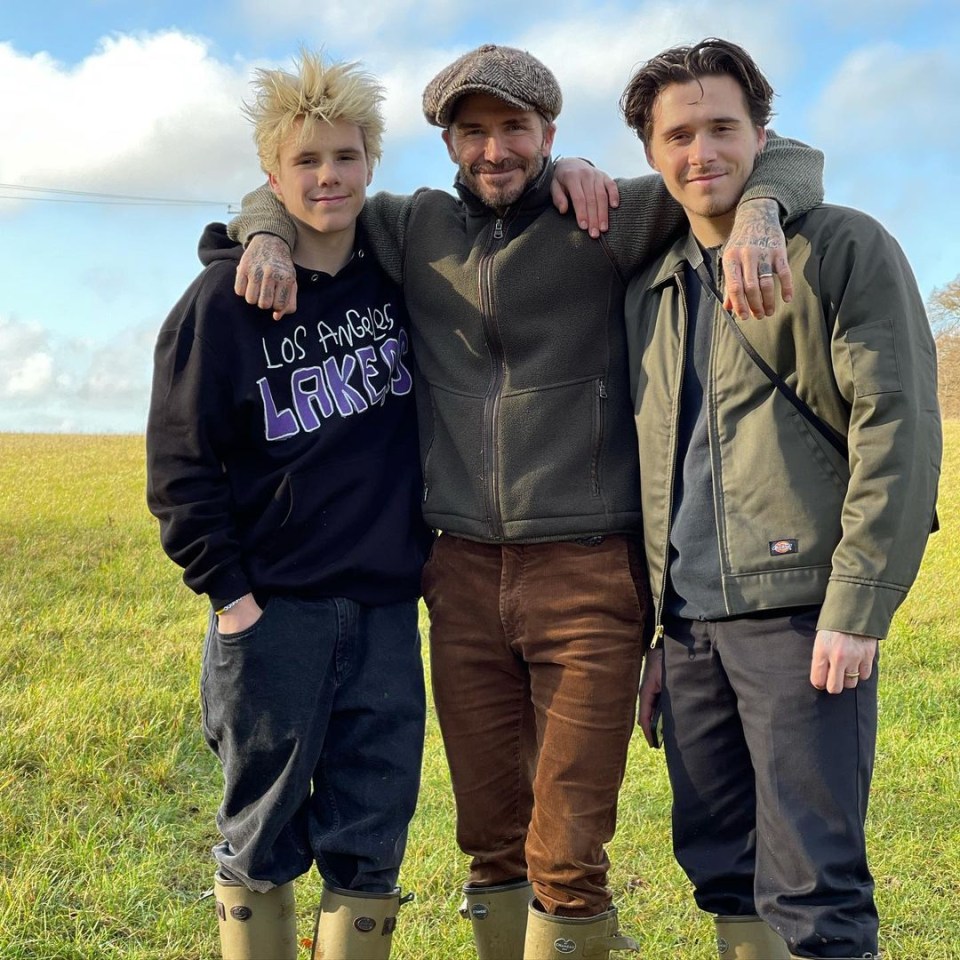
60,195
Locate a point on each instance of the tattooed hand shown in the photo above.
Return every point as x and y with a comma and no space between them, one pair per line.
754,253
266,275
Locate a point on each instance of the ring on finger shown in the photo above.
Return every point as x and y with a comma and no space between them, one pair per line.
852,676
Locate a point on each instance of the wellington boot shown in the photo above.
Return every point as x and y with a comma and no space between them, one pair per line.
356,925
499,918
573,938
254,926
748,938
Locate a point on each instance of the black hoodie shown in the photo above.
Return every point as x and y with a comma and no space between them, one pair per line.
282,457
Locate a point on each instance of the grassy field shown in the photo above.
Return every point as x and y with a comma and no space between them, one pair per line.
108,793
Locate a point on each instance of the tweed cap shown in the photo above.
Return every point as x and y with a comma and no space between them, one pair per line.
503,72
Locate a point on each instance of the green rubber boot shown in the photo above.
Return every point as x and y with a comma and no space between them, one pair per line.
748,938
573,938
256,925
356,925
498,915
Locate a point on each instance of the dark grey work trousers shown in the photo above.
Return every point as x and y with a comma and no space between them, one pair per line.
770,780
317,716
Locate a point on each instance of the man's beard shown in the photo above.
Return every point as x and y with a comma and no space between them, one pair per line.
495,196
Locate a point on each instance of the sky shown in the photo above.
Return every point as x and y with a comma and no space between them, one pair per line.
141,99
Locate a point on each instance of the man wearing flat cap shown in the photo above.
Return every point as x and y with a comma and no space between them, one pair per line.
510,75
536,587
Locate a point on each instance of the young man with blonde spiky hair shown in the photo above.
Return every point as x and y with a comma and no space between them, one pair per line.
283,468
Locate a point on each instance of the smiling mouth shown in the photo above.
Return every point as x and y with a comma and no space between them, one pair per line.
485,171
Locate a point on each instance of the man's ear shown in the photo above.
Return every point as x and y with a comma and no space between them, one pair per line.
549,132
650,160
275,185
448,140
761,138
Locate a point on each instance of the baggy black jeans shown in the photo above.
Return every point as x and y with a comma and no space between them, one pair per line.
770,780
317,716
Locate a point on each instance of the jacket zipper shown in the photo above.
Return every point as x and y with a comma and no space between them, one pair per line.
681,363
491,410
710,399
598,446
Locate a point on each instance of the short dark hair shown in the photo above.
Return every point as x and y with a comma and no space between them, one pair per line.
710,57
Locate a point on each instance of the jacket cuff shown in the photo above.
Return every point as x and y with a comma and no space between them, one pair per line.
860,608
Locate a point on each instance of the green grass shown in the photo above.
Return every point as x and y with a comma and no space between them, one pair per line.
107,791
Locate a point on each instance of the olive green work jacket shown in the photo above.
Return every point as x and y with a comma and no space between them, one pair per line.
799,523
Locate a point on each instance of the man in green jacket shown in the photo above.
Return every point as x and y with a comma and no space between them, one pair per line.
536,588
784,522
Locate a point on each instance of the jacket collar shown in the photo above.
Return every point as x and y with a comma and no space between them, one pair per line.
685,250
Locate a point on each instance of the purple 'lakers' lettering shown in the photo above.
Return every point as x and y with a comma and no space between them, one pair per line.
347,399
278,423
310,397
368,370
316,393
392,351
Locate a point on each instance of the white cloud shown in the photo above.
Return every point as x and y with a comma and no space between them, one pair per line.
878,13
26,363
147,115
889,130
32,376
90,385
888,99
117,374
347,24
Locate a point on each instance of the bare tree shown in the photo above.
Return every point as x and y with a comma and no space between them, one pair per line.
944,310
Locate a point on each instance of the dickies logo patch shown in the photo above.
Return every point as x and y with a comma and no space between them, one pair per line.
779,548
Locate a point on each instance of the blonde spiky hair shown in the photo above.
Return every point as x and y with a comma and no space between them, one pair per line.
316,92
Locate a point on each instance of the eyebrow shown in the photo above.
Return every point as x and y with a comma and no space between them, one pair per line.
476,125
712,120
301,154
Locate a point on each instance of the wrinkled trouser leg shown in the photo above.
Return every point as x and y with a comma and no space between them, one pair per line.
316,714
771,779
536,653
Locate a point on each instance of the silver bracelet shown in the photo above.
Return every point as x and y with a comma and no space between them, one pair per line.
231,604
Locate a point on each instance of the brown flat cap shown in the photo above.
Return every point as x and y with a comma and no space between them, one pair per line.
503,72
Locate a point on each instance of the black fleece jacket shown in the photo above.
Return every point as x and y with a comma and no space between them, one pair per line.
282,457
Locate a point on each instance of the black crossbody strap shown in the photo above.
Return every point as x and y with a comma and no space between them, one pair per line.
826,431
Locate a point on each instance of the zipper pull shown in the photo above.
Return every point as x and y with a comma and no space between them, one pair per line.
657,636
498,229
426,490
603,389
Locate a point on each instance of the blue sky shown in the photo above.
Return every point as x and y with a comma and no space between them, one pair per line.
139,98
